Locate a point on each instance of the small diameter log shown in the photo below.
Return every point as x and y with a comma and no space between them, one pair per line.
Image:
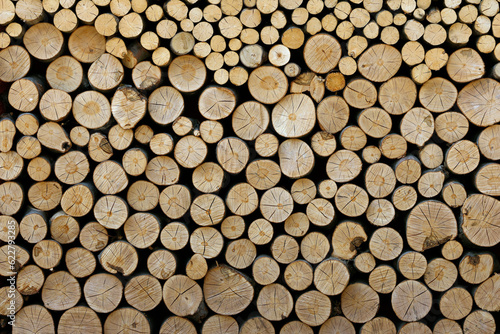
431,183
351,200
314,247
240,253
322,53
276,205
487,178
296,158
296,327
257,325
128,106
187,73
452,250
63,228
379,63
14,70
386,244
480,322
383,279
208,249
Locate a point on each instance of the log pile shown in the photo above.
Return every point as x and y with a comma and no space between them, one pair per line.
250,166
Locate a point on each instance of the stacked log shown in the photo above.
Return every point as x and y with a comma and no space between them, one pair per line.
242,166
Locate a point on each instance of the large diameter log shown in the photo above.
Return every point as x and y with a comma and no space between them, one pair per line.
478,220
227,291
441,225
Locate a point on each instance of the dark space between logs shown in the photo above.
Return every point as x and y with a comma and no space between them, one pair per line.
250,166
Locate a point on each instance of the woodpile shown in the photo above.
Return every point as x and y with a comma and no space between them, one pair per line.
250,166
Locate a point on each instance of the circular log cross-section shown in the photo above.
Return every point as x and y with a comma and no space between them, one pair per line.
227,291
267,84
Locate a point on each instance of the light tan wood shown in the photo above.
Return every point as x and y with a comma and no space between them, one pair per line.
103,292
267,84
346,237
142,230
440,228
226,301
364,262
208,249
480,322
359,302
360,93
351,200
480,233
197,267
63,228
79,318
380,212
33,227
216,103
30,280
33,317
161,264
60,291
296,327
274,302
436,58
174,236
134,161
11,165
219,324
331,277
27,124
412,296
80,262
93,236
47,254
143,292
175,201
86,44
25,93
440,274
314,247
119,257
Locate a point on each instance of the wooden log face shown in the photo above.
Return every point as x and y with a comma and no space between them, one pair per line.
173,149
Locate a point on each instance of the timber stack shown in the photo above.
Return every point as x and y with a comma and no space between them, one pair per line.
250,166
